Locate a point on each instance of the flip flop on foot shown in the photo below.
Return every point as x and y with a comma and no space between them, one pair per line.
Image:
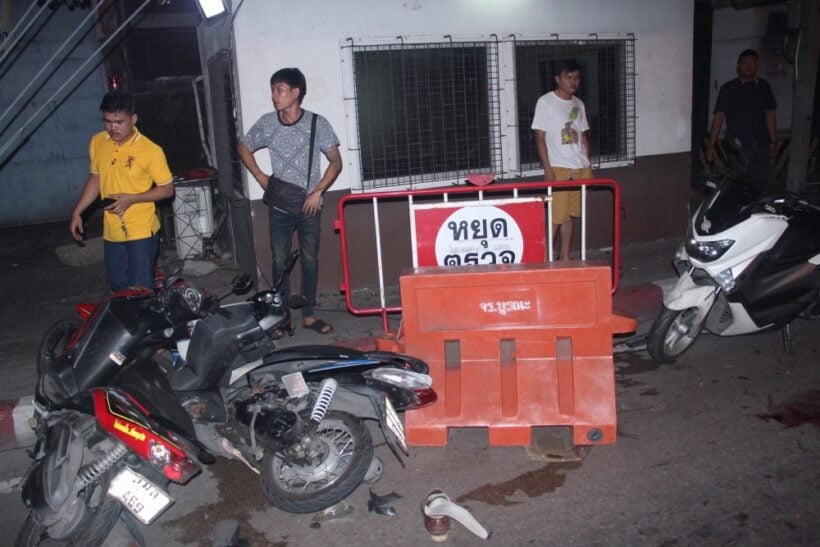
317,325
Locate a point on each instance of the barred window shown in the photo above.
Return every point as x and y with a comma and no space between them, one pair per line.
431,112
426,112
607,89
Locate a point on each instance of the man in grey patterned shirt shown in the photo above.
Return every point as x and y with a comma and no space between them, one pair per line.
286,134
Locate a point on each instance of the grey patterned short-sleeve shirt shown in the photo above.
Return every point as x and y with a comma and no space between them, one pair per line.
288,146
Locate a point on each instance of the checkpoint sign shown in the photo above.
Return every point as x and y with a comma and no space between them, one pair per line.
504,231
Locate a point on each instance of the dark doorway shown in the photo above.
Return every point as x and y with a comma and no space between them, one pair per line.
701,75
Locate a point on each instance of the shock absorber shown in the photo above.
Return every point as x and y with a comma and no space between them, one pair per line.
92,471
326,391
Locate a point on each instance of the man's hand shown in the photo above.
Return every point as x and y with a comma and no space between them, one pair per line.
76,227
262,179
313,203
548,174
122,203
711,153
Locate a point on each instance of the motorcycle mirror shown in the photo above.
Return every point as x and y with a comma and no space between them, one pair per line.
242,283
169,281
297,301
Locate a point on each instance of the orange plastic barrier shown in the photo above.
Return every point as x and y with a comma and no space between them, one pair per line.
511,347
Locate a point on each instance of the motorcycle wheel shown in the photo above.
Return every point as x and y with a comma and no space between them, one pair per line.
55,340
305,489
674,332
93,532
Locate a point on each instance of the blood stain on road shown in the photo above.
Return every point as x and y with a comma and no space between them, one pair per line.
533,484
240,493
803,408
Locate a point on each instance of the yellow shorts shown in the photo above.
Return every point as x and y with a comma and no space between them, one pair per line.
567,203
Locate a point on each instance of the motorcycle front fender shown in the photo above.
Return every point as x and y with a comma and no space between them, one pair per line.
688,294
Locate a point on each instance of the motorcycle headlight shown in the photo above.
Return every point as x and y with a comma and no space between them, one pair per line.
400,377
707,251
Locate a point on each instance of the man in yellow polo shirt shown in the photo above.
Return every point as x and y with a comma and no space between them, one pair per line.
131,172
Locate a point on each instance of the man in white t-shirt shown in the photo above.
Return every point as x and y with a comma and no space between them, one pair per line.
562,139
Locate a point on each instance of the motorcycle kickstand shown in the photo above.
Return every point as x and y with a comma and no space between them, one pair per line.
788,341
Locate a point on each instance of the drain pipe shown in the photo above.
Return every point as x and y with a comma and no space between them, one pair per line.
202,140
23,131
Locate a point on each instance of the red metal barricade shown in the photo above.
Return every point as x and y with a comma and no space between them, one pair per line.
488,193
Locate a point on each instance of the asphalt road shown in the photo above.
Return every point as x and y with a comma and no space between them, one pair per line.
719,449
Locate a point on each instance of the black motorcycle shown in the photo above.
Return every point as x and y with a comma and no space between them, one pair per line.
148,384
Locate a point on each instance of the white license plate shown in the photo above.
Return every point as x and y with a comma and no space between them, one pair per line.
394,424
139,495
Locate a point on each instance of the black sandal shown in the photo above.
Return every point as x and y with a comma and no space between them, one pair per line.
319,326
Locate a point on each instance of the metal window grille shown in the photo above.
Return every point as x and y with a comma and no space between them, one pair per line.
607,89
426,112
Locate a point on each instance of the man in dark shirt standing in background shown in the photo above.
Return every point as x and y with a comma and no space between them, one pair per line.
748,106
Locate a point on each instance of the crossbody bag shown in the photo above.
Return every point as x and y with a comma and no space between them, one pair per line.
284,195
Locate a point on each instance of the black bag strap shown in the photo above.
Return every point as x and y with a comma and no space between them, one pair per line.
310,152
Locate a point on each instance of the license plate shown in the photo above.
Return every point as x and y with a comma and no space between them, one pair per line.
393,423
139,495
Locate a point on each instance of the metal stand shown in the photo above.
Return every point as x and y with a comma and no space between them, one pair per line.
788,341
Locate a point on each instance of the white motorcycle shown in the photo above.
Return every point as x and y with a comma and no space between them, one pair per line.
749,263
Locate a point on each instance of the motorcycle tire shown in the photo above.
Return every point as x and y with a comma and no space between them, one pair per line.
299,489
94,531
674,332
55,341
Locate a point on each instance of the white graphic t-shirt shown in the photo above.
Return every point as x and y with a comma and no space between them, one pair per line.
564,122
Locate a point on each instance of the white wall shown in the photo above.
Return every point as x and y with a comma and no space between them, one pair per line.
270,35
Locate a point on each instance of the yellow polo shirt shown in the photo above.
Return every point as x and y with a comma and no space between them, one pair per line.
129,168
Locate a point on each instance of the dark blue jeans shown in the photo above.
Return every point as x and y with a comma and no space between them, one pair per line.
308,228
130,263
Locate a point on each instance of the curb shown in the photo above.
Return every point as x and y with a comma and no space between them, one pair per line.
14,429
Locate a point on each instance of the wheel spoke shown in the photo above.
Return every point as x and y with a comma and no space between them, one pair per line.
341,445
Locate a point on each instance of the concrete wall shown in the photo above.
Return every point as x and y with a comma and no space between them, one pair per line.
311,35
42,179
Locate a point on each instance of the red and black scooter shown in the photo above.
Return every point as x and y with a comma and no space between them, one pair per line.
118,419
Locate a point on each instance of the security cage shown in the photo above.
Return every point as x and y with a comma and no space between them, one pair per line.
426,112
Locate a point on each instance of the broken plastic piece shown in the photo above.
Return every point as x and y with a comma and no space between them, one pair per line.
226,534
380,504
337,511
375,472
